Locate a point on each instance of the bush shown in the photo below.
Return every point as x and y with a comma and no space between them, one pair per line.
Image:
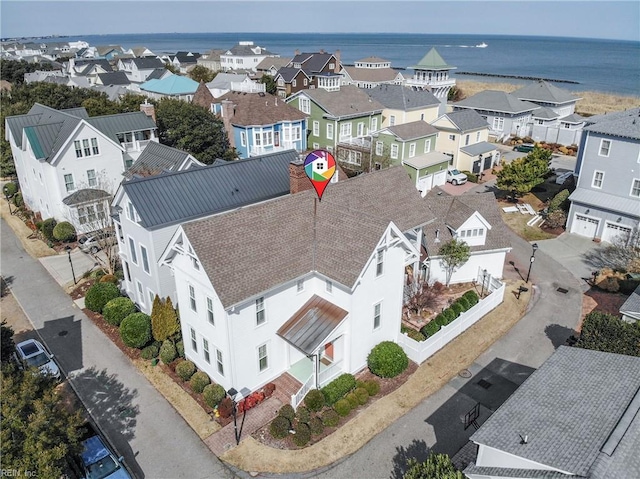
337,388
608,333
431,328
559,202
415,335
288,412
353,400
117,309
150,352
164,321
557,219
457,308
47,227
314,400
362,395
180,348
18,201
463,302
135,329
185,369
213,394
269,388
303,414
225,407
330,418
315,423
448,315
199,381
387,360
472,297
279,427
10,189
168,352
372,386
472,177
109,278
64,231
342,407
302,435
99,295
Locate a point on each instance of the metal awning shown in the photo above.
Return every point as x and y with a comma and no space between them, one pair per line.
312,324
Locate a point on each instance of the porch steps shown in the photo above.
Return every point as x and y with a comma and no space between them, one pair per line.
286,385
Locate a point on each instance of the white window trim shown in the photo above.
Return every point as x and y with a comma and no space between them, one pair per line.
593,181
379,263
379,148
219,362
140,292
394,151
602,140
210,315
633,182
260,303
427,146
193,303
193,339
379,315
412,150
316,128
243,138
144,253
206,354
329,131
266,357
133,253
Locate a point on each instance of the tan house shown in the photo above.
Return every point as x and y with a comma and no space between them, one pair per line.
370,72
404,105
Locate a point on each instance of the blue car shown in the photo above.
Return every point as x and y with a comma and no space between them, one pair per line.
98,462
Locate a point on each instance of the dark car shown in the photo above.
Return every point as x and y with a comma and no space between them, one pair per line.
98,462
524,147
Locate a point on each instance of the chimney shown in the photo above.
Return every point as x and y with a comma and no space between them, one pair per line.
228,110
298,180
149,110
337,55
322,50
297,52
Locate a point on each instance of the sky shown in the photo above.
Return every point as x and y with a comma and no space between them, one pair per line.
618,20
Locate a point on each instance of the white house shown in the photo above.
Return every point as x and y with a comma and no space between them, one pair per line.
244,56
138,70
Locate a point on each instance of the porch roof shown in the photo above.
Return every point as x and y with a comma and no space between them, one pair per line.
312,324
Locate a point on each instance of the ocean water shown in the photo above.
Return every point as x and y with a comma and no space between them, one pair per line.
600,65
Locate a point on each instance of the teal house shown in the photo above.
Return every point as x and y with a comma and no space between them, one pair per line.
172,86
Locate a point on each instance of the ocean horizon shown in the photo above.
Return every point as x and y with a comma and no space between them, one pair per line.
603,65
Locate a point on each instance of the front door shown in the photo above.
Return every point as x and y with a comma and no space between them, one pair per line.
328,352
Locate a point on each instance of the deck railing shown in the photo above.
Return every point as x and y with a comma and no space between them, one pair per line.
297,398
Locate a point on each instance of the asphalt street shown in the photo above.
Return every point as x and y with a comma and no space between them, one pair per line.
155,441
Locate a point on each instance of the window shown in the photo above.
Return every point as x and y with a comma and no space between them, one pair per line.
260,316
316,146
427,146
380,262
374,124
94,146
195,263
477,136
422,116
300,285
394,151
194,343
412,150
379,147
85,147
243,138
294,83
145,259
78,148
305,82
152,296
82,215
452,137
210,311
316,128
329,131
68,182
219,362
140,292
360,129
131,212
466,140
377,313
263,360
128,271
329,286
605,146
132,251
540,122
91,213
598,177
345,131
192,298
91,177
498,123
205,350
392,120
305,105
635,188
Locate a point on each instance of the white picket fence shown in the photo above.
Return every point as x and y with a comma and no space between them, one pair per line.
420,351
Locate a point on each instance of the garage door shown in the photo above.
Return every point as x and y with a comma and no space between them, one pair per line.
585,226
439,178
613,231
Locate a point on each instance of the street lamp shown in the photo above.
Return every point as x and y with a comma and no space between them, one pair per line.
73,273
534,247
8,197
232,394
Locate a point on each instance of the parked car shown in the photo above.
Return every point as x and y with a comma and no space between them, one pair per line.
33,353
455,177
94,242
98,462
524,147
561,178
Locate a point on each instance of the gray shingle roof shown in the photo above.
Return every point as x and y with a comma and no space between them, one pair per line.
156,74
413,130
85,195
252,109
311,62
155,159
545,113
573,118
289,73
173,198
428,159
467,120
511,473
347,102
246,50
568,410
114,78
224,80
351,218
147,63
400,97
544,92
372,75
479,148
624,124
493,100
632,304
111,125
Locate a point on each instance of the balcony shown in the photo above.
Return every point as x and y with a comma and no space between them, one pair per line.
136,145
433,83
263,150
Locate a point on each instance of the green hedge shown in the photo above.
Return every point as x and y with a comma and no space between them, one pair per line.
608,333
330,418
316,425
338,388
99,295
213,394
10,189
431,328
457,309
150,352
362,395
47,227
117,309
288,412
135,329
302,435
387,360
303,414
472,297
352,399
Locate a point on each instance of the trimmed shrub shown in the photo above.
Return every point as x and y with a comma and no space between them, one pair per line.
472,297
353,400
10,189
150,352
362,395
387,360
213,394
372,386
315,423
457,308
448,315
279,427
337,388
314,400
559,202
472,177
463,302
164,320
64,231
18,201
303,414
225,407
199,381
330,418
557,219
342,407
180,348
135,330
99,295
117,309
302,435
47,227
430,328
288,412
185,369
109,278
168,352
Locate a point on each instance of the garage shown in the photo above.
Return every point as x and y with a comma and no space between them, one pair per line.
425,183
612,231
585,226
439,178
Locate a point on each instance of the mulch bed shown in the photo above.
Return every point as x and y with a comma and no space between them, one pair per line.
113,333
80,291
387,385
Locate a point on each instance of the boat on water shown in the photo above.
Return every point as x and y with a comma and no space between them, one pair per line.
482,45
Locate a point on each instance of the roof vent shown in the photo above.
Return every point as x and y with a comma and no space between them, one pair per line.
523,439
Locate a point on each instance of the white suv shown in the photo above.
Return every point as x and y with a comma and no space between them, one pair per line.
455,177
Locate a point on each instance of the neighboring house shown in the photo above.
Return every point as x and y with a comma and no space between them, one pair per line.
577,416
88,69
226,82
203,97
150,209
40,75
211,60
630,309
290,80
271,65
141,52
556,120
113,78
109,52
404,105
505,114
244,56
432,73
138,70
464,135
59,155
157,158
184,60
427,170
338,116
308,71
260,123
606,202
172,86
371,72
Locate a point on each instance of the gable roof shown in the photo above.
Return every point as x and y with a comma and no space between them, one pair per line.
479,148
412,130
157,158
246,50
203,96
311,62
632,304
545,113
289,73
276,62
186,57
253,109
579,411
157,74
111,125
114,78
624,124
351,219
432,61
372,75
467,120
174,198
349,101
147,63
493,100
399,97
85,195
224,80
171,85
544,92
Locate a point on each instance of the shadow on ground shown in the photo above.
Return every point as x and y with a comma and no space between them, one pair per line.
558,335
64,334
417,450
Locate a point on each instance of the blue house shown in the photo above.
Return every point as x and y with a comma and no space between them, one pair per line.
260,123
172,86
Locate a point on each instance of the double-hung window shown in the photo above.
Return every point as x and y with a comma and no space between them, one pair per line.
316,128
377,314
132,251
394,151
82,215
412,150
427,146
598,178
68,182
305,105
635,188
329,131
605,147
78,147
243,138
194,342
85,147
94,146
192,298
219,362
263,360
205,350
379,262
260,312
210,317
91,178
379,148
145,259
345,131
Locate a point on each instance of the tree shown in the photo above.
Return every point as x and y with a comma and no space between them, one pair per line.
7,347
437,466
172,68
522,175
608,333
13,70
37,432
164,320
453,254
201,73
270,84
